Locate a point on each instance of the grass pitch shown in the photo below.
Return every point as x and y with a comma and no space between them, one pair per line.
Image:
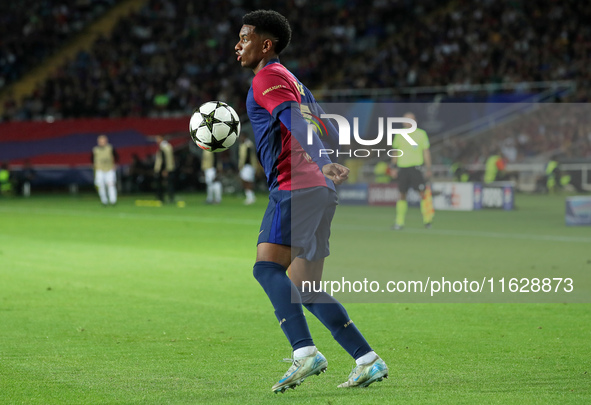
157,305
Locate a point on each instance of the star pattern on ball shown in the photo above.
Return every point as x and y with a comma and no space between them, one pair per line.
214,144
214,126
209,120
193,133
233,124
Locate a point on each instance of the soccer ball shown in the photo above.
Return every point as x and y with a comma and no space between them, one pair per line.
214,126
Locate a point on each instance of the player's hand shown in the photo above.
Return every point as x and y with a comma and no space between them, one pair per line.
164,173
394,173
336,172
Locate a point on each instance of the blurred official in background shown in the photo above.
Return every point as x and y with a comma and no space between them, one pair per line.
164,169
407,169
104,159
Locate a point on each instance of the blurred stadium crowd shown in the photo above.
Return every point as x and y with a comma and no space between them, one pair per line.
31,30
174,55
557,130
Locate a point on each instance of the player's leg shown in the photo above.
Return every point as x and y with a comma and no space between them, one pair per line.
402,205
160,186
170,180
99,182
401,209
244,186
369,367
244,181
217,191
326,308
247,176
111,182
249,191
309,266
270,271
306,273
27,188
273,258
209,178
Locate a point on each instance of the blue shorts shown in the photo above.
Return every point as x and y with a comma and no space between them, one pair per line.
300,219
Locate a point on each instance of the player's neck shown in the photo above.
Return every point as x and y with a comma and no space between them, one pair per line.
263,62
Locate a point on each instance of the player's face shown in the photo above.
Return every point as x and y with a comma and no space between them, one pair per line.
249,49
102,140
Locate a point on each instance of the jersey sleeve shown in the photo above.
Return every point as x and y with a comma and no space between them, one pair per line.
274,92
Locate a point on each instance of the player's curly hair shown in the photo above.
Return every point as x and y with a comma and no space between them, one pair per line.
272,23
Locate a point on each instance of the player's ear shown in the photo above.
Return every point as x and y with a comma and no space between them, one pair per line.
267,45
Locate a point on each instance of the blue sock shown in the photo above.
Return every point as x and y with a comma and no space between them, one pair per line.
334,317
281,291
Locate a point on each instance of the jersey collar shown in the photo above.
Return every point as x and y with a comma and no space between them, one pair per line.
274,60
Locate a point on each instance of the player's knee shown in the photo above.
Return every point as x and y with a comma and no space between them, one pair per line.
257,271
264,271
315,297
308,297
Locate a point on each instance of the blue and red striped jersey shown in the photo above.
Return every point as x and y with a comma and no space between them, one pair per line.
284,160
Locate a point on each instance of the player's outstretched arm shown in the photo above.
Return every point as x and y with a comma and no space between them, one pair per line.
335,172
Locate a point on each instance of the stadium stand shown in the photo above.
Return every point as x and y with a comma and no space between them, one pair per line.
30,31
549,130
179,54
481,42
173,55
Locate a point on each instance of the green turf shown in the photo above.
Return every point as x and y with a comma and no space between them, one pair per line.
138,305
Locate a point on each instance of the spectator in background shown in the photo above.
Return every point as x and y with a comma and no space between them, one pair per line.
164,169
5,180
104,159
247,159
151,63
32,30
